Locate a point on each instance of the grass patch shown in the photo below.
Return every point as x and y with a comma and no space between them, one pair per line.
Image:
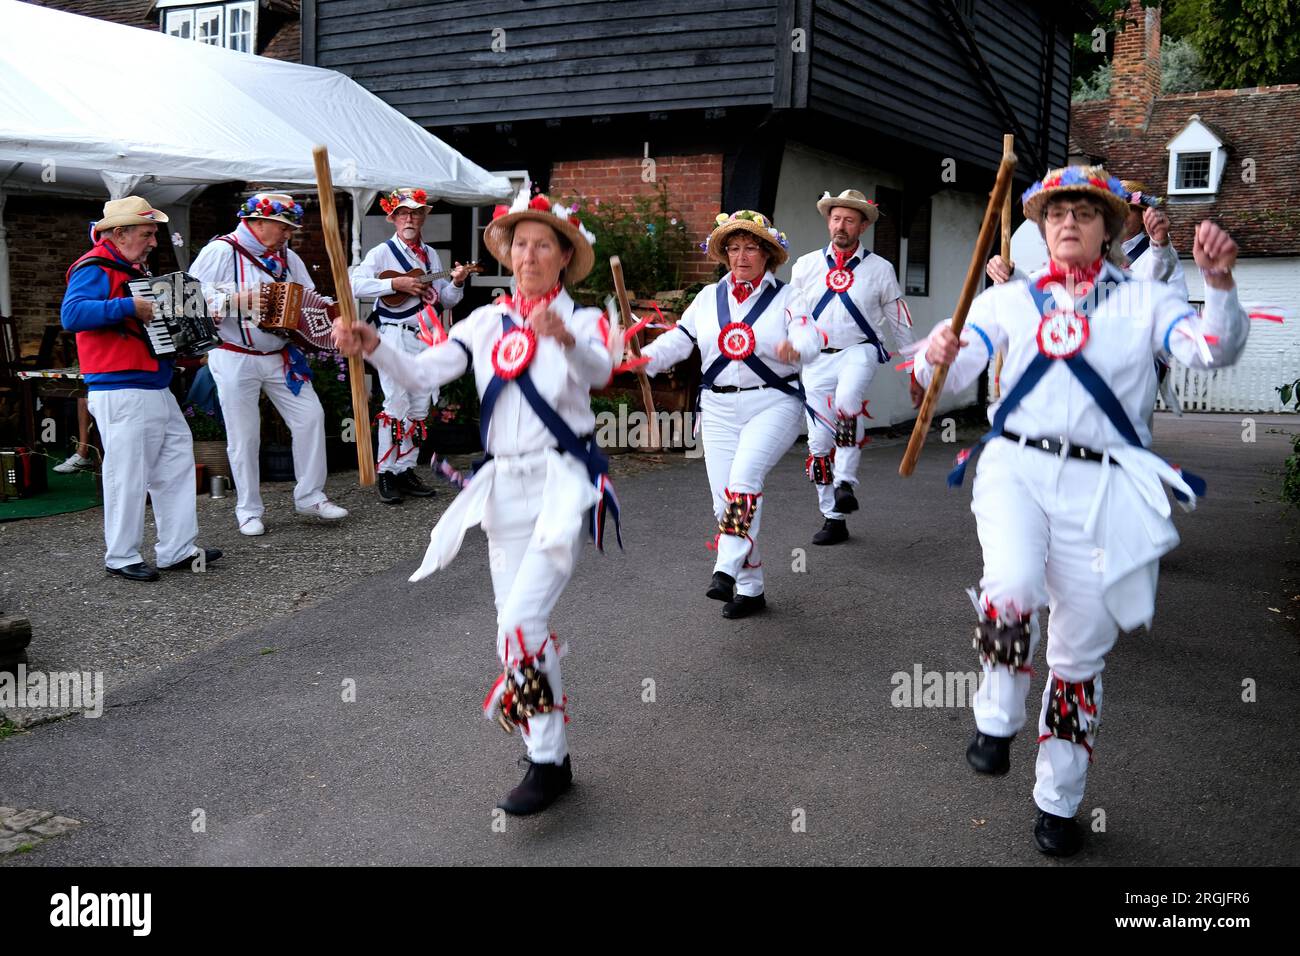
8,728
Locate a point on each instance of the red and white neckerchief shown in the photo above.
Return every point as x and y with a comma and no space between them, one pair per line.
1077,280
842,256
741,289
526,307
418,252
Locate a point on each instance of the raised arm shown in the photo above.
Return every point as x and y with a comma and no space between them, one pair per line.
1217,336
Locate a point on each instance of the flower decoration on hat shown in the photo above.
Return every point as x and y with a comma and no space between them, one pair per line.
540,202
410,198
749,215
1086,179
262,206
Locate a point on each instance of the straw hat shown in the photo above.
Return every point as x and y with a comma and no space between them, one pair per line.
278,207
539,208
849,199
1093,180
130,211
405,197
754,223
1138,195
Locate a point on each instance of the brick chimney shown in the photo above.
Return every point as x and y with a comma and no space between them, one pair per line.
1134,70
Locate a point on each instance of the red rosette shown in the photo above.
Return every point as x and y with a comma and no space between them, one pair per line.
839,280
1062,333
540,203
419,195
513,352
737,341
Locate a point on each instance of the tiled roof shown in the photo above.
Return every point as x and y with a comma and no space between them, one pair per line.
1258,124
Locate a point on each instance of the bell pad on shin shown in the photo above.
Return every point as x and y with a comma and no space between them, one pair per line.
527,694
846,431
1000,642
820,469
1071,710
739,515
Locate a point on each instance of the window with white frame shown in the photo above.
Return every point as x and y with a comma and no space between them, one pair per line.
230,25
1197,156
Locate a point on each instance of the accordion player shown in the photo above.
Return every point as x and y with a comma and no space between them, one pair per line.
182,326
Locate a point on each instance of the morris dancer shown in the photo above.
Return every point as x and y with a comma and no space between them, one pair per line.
233,269
754,334
1068,500
854,293
535,358
410,327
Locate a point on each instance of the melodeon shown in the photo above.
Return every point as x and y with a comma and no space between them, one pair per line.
181,326
302,314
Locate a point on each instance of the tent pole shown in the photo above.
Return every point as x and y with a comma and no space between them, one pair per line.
6,304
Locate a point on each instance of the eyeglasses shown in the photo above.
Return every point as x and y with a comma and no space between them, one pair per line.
1083,214
737,250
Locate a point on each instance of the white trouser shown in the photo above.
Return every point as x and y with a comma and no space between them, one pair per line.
744,435
527,584
240,381
837,385
1030,509
147,448
407,407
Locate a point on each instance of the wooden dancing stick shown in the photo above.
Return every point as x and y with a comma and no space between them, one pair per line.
1000,189
1008,148
347,310
643,380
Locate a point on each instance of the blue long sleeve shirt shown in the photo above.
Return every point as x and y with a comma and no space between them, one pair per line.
86,307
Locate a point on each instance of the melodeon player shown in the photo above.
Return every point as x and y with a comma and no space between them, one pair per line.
250,360
405,264
147,444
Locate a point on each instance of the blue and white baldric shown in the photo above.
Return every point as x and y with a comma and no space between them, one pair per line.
882,355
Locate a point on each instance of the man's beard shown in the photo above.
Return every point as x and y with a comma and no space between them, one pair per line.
844,240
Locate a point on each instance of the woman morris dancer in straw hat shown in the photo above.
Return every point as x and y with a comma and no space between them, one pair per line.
754,335
1069,502
535,357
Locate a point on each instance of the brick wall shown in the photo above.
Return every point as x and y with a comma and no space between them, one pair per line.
45,237
694,184
1135,69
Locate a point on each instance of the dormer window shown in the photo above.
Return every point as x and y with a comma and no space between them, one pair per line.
1197,156
229,25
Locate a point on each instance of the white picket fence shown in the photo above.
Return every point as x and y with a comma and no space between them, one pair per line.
1248,386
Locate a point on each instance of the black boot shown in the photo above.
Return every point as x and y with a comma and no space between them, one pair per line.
722,588
135,572
833,531
541,785
410,484
1057,836
989,754
389,492
743,605
845,501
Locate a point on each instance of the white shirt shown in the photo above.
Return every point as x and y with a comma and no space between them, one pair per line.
786,317
564,377
1139,320
224,272
367,285
875,292
1158,263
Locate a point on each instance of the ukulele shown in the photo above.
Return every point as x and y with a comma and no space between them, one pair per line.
396,299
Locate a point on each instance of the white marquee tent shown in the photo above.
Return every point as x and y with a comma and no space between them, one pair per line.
99,110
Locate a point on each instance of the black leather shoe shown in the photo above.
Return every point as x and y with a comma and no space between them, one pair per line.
135,572
209,555
538,790
743,605
410,484
989,754
390,492
722,588
845,501
833,531
1057,836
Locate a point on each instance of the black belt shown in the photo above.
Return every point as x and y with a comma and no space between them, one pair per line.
400,325
1053,446
728,389
833,351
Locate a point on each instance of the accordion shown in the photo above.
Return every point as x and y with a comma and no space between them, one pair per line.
181,326
302,314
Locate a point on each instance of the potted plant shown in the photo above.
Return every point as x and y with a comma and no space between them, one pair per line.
209,433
